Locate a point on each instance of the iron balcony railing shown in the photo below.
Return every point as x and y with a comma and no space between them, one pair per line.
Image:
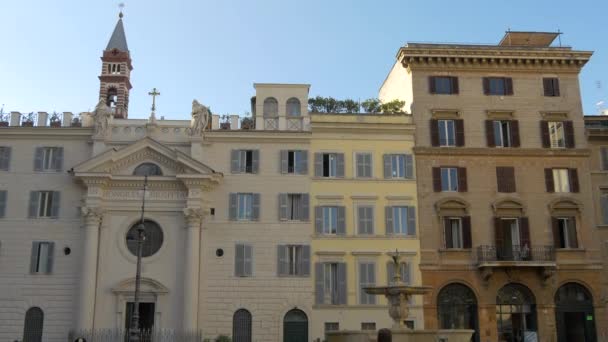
488,253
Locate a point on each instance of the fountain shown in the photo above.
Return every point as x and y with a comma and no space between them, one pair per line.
398,295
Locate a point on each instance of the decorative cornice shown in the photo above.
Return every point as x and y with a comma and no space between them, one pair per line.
94,213
498,152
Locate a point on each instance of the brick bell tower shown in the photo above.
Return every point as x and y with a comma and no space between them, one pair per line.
115,79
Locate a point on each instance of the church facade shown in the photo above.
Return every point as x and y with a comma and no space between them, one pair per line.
264,230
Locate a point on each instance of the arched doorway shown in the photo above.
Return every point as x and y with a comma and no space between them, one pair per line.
295,326
32,329
241,326
516,314
457,309
574,314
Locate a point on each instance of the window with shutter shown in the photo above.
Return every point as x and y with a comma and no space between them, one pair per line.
42,257
446,133
3,200
330,287
294,162
244,161
44,204
365,220
48,159
445,85
294,260
330,165
364,165
557,136
566,232
498,86
453,233
367,278
329,220
551,86
244,206
293,207
403,220
561,180
505,179
243,263
5,158
449,179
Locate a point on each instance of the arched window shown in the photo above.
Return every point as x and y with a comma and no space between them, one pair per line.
153,238
148,169
457,309
295,326
574,313
241,326
293,107
271,107
32,329
112,97
516,313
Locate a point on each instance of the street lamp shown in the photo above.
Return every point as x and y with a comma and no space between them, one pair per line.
134,329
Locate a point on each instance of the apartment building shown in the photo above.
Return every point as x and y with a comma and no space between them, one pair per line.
506,217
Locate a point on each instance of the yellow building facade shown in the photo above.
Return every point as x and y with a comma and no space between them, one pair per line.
363,201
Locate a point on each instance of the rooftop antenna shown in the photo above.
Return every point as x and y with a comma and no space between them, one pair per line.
559,37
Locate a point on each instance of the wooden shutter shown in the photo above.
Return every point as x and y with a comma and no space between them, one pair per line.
361,215
38,158
505,179
3,203
524,232
434,126
283,210
55,201
284,161
432,88
232,206
556,86
58,159
239,263
359,162
341,221
305,211
454,82
282,260
514,128
555,229
573,178
388,172
409,166
604,205
340,165
411,221
235,156
388,216
569,134
498,236
459,126
255,161
318,164
604,157
342,283
548,86
437,179
50,257
490,133
33,204
549,185
34,256
508,86
447,230
319,220
248,260
5,158
544,133
486,86
572,238
319,283
302,163
255,207
466,232
305,261
462,179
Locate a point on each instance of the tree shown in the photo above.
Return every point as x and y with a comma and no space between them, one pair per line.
350,106
371,106
392,107
316,104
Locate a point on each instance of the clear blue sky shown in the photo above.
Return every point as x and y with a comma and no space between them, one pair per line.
215,50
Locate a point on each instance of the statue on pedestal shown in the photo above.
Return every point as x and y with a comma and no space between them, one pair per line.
200,118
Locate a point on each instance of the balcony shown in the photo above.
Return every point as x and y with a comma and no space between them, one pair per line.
294,124
541,257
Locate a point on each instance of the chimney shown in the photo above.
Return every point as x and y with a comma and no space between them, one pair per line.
67,119
234,121
42,116
15,119
215,122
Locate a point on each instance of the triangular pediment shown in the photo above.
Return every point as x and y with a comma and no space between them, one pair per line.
122,162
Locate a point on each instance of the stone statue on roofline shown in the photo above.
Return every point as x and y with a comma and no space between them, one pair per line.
200,118
101,117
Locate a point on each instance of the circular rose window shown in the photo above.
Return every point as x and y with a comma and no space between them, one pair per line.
153,238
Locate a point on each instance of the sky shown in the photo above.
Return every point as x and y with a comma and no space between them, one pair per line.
214,51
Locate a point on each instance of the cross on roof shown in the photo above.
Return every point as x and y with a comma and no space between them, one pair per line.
154,93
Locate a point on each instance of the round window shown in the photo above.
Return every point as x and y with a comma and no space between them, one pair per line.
152,236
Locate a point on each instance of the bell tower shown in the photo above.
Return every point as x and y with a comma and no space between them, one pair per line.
115,78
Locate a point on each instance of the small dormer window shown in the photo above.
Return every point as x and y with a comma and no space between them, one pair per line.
148,169
271,107
293,107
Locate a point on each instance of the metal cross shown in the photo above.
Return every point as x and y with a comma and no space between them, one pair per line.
154,93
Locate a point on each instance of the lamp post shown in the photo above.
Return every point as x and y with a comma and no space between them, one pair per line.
134,329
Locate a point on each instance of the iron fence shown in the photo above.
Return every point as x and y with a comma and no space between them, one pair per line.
488,253
118,335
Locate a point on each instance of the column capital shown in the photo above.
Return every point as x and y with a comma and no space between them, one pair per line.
194,216
92,215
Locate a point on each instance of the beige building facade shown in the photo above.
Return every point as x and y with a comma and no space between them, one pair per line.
508,239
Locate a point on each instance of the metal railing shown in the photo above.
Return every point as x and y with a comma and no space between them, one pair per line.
119,335
488,253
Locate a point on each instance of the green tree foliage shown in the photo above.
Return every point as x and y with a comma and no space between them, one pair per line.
350,106
392,107
371,105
